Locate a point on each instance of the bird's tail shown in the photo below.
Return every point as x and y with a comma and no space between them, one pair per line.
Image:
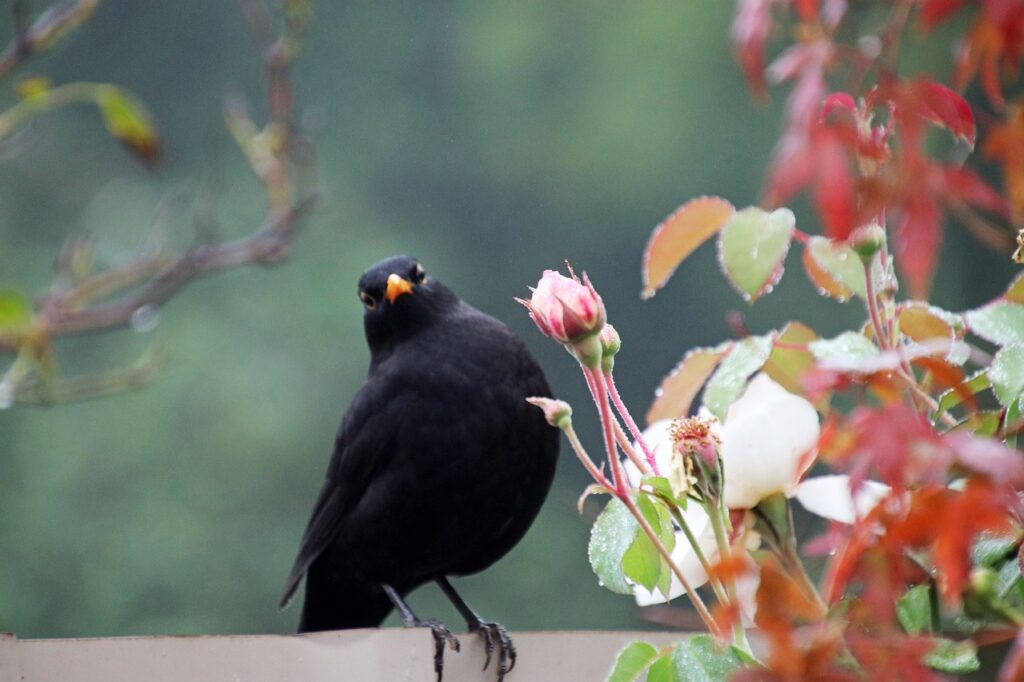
342,605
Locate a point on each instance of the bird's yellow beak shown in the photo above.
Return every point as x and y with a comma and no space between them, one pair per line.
396,287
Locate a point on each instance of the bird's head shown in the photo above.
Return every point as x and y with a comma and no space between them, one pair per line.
399,298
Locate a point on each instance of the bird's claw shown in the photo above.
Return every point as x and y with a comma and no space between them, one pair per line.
442,635
496,634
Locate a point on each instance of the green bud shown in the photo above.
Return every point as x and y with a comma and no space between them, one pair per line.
557,412
610,345
867,241
984,582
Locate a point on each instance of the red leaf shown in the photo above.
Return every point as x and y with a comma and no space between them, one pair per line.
946,108
837,100
792,169
917,241
934,12
807,10
834,192
982,506
750,28
966,185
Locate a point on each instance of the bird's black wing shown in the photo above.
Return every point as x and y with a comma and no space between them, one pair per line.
363,445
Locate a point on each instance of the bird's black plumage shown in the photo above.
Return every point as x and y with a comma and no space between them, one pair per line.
440,464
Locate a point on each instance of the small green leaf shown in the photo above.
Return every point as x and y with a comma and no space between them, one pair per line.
730,379
15,311
642,563
786,365
632,661
846,346
957,658
914,610
1008,577
840,262
1011,421
1007,374
610,538
990,549
128,120
661,670
1001,323
703,659
752,247
973,385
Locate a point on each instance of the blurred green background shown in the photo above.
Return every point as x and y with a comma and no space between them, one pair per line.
491,140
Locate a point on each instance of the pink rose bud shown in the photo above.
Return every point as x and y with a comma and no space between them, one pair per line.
557,412
565,309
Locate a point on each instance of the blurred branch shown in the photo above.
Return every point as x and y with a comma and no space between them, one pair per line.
52,25
80,300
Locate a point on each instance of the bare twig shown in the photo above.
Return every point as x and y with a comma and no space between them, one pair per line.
60,19
81,301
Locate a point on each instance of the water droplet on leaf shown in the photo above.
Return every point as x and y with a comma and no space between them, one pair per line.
145,319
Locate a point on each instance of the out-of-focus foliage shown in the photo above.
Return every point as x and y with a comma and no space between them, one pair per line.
490,140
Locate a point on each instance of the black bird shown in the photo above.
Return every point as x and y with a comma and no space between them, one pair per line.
439,467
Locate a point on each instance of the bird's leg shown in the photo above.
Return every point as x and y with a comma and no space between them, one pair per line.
492,632
440,632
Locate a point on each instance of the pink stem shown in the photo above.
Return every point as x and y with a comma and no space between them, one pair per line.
620,407
595,382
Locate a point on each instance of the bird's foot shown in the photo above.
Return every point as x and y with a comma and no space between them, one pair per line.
496,637
442,636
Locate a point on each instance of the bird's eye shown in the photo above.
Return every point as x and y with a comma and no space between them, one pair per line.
369,301
419,275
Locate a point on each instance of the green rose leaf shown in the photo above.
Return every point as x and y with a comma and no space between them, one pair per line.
847,347
1001,323
612,535
752,247
730,379
1007,374
642,563
632,662
973,385
914,610
703,659
952,657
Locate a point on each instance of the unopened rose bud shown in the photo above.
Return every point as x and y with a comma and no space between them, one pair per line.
566,309
610,345
557,412
984,582
867,241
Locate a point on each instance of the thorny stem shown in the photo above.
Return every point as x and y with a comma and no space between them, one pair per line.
695,599
922,395
872,302
581,454
595,382
630,451
620,407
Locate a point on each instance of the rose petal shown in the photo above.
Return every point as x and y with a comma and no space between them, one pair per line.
830,497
